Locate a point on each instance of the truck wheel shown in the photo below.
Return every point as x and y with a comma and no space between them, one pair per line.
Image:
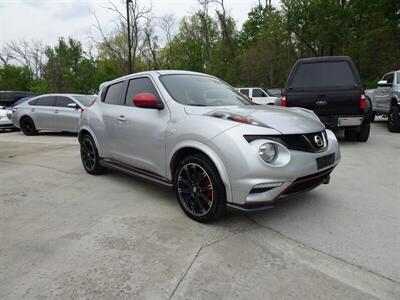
394,119
350,135
363,134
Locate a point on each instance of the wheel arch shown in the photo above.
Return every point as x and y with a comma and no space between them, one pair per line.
24,116
394,102
186,148
86,130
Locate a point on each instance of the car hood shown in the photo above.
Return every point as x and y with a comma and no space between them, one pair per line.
283,119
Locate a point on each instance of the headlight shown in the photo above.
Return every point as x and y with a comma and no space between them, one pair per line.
268,152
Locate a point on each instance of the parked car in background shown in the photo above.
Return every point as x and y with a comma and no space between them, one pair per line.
197,134
5,122
258,95
8,98
56,112
332,88
11,110
386,99
277,92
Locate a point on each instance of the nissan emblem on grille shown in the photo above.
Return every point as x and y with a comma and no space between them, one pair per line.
318,141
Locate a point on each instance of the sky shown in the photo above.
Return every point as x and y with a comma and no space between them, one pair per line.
46,20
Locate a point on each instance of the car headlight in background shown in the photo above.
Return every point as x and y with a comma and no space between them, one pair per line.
268,152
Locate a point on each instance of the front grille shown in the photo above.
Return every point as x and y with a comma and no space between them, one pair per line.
298,142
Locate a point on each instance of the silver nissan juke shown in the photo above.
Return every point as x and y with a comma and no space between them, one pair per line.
197,134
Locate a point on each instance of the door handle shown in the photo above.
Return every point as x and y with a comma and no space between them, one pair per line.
121,118
56,111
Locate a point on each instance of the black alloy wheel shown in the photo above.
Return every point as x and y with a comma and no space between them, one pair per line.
394,119
199,189
90,157
28,127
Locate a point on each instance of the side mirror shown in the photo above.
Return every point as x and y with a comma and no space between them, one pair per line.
146,100
73,105
383,83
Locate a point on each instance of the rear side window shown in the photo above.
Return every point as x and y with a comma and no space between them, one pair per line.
46,101
326,74
258,93
113,95
63,101
398,77
389,78
140,85
245,92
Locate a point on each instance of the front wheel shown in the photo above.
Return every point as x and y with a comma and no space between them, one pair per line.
394,119
90,156
199,189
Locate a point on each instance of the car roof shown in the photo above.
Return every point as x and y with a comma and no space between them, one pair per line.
154,73
324,59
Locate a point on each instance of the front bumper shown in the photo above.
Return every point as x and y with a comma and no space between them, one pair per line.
246,170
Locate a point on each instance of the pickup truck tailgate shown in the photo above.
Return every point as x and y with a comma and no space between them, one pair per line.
329,102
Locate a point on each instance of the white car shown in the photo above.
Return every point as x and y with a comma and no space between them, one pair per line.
5,122
258,95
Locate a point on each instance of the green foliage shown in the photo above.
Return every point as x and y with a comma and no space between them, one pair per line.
260,54
15,78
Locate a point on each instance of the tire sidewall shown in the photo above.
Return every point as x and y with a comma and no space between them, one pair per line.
96,165
219,197
27,119
396,126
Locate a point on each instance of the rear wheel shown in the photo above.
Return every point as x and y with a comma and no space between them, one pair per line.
360,135
199,189
90,156
394,119
28,126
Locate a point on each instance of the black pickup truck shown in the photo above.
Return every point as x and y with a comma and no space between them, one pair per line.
332,88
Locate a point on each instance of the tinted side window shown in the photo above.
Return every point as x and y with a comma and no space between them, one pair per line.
113,95
398,77
258,93
245,92
63,101
389,78
140,85
323,74
33,102
46,101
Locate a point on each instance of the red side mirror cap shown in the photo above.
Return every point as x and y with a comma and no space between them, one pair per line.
145,100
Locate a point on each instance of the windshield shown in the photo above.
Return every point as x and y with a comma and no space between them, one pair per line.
198,90
325,74
85,100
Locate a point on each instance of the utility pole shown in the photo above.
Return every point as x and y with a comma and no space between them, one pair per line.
129,37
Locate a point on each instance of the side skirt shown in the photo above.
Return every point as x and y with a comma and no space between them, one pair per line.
109,163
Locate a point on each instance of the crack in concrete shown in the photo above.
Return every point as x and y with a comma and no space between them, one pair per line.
203,246
322,252
50,148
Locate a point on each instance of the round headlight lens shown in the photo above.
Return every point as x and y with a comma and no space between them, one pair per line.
268,152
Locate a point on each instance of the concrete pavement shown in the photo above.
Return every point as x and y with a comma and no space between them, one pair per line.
67,235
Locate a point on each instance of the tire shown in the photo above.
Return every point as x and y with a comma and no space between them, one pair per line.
394,119
28,126
199,189
363,134
373,116
90,156
350,135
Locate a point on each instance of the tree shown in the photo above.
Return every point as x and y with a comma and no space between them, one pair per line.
15,78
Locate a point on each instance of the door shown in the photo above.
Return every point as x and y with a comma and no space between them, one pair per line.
66,118
382,94
141,132
259,96
43,112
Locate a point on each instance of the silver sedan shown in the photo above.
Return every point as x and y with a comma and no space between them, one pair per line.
197,134
56,112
